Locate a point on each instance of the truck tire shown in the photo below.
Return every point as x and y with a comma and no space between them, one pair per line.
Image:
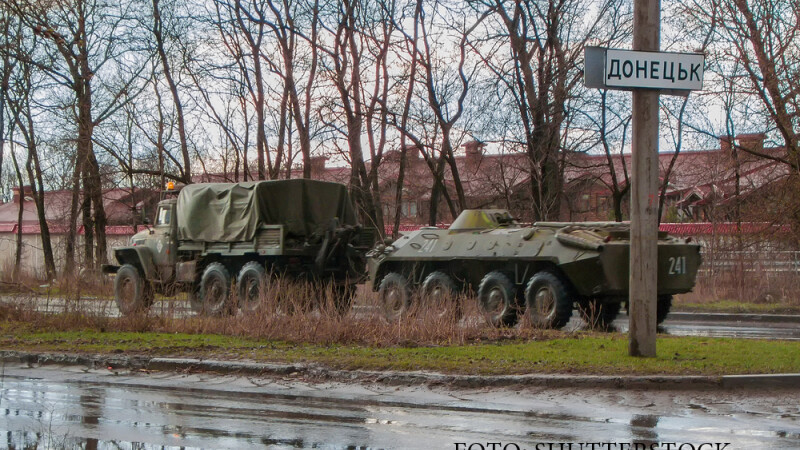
439,292
547,301
395,296
598,314
132,293
215,289
249,284
497,299
663,305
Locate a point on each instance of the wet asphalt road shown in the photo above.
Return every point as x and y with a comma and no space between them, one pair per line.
74,408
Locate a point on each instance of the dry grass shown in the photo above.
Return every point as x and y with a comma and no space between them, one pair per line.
290,312
86,283
767,290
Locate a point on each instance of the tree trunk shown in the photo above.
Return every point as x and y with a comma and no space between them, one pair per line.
158,27
18,247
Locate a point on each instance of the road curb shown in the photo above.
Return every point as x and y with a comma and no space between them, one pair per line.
688,316
395,378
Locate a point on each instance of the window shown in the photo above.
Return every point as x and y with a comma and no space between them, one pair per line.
603,203
163,216
409,208
584,203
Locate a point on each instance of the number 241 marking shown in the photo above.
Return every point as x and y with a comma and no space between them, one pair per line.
677,265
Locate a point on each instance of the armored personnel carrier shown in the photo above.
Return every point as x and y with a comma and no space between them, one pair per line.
541,272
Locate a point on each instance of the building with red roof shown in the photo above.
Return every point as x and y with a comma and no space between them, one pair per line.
707,188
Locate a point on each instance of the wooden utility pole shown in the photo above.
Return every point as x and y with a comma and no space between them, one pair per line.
644,192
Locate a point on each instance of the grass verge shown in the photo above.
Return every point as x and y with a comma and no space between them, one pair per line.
551,352
734,306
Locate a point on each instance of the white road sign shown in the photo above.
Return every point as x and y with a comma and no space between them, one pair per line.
627,69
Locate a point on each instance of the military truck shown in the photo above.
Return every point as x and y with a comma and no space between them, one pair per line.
214,234
540,272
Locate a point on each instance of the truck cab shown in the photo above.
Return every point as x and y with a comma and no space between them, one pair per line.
162,240
153,250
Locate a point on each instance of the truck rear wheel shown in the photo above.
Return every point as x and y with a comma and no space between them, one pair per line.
496,299
215,288
249,283
133,294
598,313
547,301
439,293
395,295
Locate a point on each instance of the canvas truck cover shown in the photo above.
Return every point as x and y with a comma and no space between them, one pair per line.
230,212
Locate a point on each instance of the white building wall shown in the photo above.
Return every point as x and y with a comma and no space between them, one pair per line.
32,260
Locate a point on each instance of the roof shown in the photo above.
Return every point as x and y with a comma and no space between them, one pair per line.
122,207
111,230
722,228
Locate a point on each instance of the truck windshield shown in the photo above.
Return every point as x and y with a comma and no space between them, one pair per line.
162,218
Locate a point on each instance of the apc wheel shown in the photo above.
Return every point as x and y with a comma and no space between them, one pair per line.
215,288
252,278
598,314
439,294
395,295
132,293
547,301
496,299
663,305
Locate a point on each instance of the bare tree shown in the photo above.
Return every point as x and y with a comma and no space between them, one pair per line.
445,95
296,101
23,117
80,39
545,40
350,53
161,48
766,37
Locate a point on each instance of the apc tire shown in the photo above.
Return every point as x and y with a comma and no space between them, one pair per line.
547,301
249,284
132,293
395,296
663,305
215,289
497,299
439,293
598,314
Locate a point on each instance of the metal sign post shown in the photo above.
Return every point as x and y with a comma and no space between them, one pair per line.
648,73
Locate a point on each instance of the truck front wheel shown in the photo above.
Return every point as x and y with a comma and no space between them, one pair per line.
132,293
215,289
